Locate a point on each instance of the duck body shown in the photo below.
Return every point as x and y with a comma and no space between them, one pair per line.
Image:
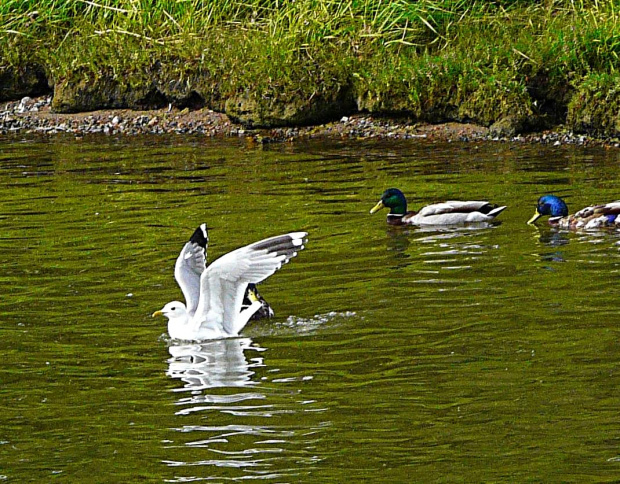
588,218
451,212
221,298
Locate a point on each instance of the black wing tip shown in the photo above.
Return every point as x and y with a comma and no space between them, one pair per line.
200,236
492,207
497,210
294,240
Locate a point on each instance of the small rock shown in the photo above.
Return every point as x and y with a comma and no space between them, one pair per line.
23,104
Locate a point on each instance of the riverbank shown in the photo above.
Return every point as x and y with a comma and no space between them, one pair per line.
35,116
514,67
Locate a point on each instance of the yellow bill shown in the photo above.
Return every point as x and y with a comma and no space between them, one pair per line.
252,295
534,218
377,207
157,313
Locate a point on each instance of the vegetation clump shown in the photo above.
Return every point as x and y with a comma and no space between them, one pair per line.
514,65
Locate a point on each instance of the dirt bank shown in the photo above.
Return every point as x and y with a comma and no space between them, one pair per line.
34,116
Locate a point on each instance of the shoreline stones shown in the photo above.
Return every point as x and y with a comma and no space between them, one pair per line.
34,116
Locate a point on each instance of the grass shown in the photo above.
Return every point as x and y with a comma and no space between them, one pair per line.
433,60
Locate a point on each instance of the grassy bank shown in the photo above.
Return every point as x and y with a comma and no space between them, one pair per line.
519,64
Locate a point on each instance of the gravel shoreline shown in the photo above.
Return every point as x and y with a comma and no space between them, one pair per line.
34,116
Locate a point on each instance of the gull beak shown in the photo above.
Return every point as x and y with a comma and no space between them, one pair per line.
157,313
377,207
534,218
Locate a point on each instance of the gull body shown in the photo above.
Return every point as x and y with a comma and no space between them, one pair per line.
215,294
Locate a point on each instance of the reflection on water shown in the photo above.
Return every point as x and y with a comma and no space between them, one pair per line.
213,364
448,248
555,242
397,242
553,238
552,241
249,436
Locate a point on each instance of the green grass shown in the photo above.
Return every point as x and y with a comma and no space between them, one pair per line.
434,60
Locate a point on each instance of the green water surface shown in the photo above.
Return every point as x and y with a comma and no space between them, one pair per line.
396,355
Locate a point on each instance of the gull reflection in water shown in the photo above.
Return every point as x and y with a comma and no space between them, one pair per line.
228,428
214,364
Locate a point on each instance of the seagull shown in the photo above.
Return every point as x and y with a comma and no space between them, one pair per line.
215,294
197,245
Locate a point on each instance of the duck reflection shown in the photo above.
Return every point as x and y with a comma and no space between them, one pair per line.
398,241
456,242
470,227
554,239
214,364
557,239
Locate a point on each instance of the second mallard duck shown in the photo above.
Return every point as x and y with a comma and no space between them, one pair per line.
452,212
592,217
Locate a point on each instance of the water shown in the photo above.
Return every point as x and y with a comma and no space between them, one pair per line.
396,355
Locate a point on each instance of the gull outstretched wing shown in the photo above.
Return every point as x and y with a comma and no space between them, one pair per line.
223,283
190,265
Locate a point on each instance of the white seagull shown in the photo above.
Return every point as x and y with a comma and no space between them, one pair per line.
214,294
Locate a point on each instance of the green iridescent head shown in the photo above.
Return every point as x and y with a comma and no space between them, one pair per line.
393,199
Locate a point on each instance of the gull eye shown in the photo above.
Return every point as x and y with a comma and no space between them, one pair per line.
173,309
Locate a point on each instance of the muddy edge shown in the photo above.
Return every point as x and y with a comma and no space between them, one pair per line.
34,116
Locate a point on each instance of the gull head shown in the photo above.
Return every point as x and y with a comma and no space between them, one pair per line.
172,310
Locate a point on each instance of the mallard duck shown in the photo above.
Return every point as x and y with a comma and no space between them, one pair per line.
215,293
592,217
452,212
251,295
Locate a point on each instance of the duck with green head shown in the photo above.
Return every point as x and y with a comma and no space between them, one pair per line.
589,218
452,212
